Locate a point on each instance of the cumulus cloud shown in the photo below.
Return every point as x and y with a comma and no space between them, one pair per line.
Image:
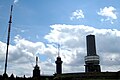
22,52
78,14
72,51
109,13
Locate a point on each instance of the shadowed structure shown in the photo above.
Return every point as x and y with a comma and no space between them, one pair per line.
58,62
36,71
92,59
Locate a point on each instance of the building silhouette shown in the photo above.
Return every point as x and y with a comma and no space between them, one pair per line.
36,71
92,59
58,62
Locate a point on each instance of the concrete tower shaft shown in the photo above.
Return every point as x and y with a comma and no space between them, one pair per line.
91,48
92,59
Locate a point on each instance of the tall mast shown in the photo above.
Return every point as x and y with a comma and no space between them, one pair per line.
58,50
8,39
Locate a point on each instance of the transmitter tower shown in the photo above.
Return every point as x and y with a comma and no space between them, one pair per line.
36,71
8,42
92,59
58,62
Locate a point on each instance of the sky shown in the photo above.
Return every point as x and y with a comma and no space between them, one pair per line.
38,26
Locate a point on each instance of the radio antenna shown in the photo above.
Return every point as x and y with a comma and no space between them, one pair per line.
58,50
8,39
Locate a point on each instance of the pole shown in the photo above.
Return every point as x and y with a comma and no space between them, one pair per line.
8,39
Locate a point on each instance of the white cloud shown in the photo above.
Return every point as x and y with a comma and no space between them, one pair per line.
16,1
22,52
109,13
78,14
19,30
73,49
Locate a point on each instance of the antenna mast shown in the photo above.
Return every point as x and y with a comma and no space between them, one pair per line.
8,39
36,60
58,50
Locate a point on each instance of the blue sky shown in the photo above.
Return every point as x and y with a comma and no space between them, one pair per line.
42,14
37,25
